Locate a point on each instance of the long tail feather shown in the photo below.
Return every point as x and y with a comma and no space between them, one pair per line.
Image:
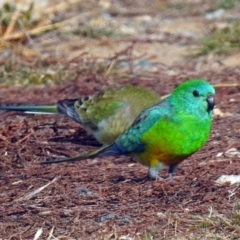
32,109
111,150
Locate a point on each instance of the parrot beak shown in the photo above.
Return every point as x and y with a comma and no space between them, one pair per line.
211,102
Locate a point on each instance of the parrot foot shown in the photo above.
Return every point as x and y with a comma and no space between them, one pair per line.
158,178
153,172
170,177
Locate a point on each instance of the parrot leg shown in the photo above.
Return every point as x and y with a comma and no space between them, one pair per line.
153,172
172,168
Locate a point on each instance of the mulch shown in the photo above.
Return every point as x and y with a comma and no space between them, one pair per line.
110,197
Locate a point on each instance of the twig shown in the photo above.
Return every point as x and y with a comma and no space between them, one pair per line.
41,29
12,24
35,192
61,6
24,138
226,85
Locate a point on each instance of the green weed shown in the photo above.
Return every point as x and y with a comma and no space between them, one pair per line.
221,41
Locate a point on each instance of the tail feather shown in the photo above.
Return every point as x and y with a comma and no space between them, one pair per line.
111,150
65,107
32,109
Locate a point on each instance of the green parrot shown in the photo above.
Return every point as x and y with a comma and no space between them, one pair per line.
105,115
166,133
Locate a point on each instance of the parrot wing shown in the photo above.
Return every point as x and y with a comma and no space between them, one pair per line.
130,141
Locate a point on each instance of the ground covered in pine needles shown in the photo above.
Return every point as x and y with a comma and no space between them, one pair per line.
76,49
109,198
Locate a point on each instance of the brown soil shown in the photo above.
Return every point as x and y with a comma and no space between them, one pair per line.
107,198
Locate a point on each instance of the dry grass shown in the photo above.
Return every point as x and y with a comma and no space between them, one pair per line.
212,227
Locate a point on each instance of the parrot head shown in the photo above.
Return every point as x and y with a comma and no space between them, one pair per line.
195,96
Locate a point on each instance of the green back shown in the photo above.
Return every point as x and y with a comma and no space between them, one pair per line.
108,114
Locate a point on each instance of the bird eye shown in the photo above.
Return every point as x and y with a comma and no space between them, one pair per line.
195,93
